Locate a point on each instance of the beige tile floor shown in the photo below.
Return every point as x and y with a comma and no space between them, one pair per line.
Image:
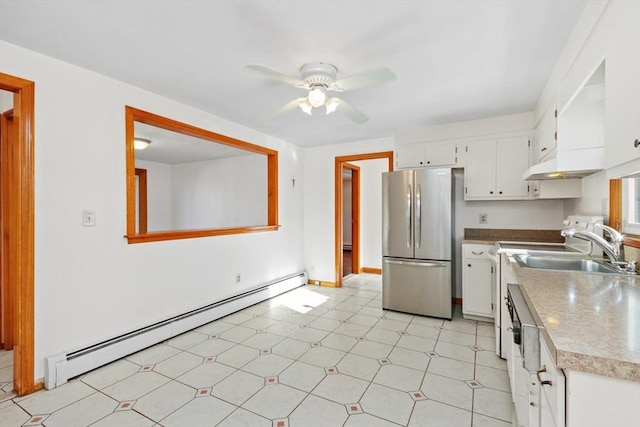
312,357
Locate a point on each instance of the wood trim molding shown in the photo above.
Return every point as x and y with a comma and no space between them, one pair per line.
142,200
615,204
321,283
371,270
615,213
457,301
339,162
133,115
23,230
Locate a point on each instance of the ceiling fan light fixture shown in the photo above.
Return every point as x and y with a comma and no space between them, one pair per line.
317,96
306,106
141,143
331,105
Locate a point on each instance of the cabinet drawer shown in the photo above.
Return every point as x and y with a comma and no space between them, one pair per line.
552,385
475,251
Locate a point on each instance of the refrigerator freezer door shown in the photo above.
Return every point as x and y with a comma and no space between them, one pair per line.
397,214
433,214
417,287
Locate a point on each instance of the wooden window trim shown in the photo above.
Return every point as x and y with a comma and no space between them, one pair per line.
615,213
133,115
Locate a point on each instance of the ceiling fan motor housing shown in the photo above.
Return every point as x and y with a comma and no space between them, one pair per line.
318,74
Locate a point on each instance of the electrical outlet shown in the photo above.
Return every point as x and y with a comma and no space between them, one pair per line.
483,218
238,278
88,218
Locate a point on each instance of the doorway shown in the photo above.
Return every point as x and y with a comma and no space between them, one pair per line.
350,219
341,163
17,229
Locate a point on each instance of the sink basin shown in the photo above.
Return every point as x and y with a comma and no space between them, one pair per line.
568,264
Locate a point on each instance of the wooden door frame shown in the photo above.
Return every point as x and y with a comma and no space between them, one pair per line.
23,206
339,164
142,200
355,217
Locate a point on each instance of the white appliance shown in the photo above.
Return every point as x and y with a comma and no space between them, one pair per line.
503,250
416,242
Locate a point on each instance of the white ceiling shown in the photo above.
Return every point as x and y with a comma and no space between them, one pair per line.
455,60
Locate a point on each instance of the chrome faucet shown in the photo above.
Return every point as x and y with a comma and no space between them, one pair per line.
614,235
612,250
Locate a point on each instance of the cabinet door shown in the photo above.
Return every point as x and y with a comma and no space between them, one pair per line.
622,85
477,295
440,155
410,157
512,161
479,174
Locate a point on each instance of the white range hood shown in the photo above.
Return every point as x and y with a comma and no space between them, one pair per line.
568,164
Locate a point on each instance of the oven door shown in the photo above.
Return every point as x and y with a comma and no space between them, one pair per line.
525,388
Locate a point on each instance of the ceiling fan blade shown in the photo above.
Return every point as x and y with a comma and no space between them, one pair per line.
350,111
369,78
275,74
291,105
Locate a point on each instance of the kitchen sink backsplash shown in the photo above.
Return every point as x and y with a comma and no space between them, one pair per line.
632,254
516,235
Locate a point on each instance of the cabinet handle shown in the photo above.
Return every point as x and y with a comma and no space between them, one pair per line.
477,253
499,192
490,192
468,265
544,149
428,162
542,369
636,143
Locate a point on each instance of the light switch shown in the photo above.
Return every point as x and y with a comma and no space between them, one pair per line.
88,218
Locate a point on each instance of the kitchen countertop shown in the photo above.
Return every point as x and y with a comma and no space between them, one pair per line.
591,321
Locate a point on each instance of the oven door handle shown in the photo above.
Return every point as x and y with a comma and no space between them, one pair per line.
542,369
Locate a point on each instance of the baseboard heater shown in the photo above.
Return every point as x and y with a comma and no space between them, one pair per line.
61,367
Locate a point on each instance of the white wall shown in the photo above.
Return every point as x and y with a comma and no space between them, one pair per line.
371,211
6,100
595,197
226,192
90,285
319,202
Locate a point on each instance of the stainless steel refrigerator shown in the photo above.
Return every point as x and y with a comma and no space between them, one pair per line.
417,235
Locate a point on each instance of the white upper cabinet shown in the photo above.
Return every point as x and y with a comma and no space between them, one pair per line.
480,173
495,167
545,135
426,155
623,83
410,157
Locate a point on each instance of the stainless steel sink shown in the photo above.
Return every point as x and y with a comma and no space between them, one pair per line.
568,264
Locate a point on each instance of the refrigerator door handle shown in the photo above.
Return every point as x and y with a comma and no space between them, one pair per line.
409,216
418,263
419,216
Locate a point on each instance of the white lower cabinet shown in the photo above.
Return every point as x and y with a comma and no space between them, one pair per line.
477,282
552,384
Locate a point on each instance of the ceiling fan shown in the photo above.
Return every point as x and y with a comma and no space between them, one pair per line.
320,78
